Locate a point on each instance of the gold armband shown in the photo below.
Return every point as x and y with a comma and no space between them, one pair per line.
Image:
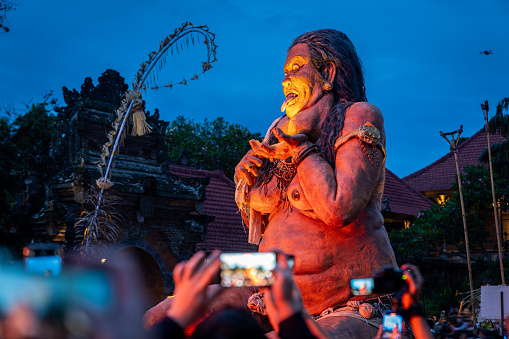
368,134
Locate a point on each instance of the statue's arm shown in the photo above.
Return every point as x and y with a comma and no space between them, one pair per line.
338,196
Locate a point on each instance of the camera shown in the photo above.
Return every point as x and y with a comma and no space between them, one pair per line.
386,280
248,269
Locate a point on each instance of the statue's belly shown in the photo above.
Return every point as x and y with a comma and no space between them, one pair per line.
326,258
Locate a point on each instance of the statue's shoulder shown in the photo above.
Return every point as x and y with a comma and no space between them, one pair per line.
363,111
360,113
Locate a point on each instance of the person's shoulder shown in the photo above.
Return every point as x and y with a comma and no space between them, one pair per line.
360,113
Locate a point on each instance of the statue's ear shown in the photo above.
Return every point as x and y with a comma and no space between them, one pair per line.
329,72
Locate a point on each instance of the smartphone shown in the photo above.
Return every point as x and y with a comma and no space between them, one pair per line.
90,289
362,286
43,258
247,269
392,325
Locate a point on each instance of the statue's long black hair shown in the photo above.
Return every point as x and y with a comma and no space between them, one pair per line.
330,46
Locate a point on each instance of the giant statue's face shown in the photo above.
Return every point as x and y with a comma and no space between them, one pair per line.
302,84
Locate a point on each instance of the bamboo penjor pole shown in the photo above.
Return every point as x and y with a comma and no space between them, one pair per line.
485,109
132,108
454,144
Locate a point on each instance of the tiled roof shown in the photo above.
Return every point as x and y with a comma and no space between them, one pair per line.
439,175
403,199
226,232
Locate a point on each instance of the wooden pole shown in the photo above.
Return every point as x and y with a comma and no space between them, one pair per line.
454,145
502,312
485,109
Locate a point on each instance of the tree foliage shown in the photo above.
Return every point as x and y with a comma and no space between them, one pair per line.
5,7
422,238
24,146
442,225
32,133
7,163
208,145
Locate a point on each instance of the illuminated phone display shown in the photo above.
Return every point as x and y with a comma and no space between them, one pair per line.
363,286
392,325
247,269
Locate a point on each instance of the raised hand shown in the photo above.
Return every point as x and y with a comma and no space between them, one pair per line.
410,302
415,282
283,298
193,292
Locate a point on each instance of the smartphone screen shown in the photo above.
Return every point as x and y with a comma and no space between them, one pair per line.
362,286
392,325
247,269
88,289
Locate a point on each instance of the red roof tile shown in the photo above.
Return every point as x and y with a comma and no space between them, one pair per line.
403,199
226,232
439,175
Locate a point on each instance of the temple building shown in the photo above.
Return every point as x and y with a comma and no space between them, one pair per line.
167,212
227,231
435,180
401,203
161,214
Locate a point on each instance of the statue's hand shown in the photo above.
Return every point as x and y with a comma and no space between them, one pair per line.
288,147
248,167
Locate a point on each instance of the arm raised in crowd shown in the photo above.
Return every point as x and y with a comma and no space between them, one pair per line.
285,310
412,309
411,304
193,294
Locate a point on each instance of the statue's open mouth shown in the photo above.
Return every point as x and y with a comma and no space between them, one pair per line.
289,98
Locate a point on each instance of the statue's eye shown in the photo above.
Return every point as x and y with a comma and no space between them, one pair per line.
295,67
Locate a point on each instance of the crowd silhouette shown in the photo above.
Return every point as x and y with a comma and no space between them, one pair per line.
104,300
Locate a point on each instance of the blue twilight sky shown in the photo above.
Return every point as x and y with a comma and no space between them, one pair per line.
422,61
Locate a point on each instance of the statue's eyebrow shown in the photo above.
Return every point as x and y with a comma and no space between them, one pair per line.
295,59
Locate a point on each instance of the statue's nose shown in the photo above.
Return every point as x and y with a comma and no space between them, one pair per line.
286,80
